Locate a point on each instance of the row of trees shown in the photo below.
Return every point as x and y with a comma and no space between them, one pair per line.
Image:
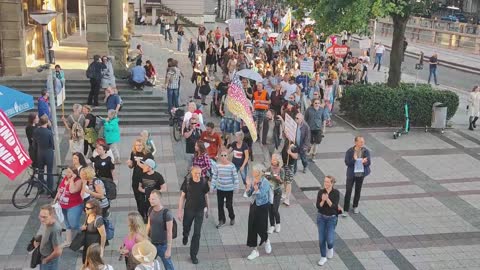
334,16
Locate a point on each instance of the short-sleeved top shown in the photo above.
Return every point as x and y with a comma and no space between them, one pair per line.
195,194
67,199
433,62
190,141
138,156
93,226
112,102
238,153
103,202
158,231
151,182
103,167
51,238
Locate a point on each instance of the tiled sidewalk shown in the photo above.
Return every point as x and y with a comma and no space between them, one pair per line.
420,207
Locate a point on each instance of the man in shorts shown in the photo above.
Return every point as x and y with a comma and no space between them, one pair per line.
316,116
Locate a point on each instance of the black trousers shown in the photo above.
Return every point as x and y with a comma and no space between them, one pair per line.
188,217
273,210
87,145
221,195
94,91
257,224
358,182
139,199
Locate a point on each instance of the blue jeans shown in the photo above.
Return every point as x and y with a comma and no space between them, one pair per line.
433,71
51,265
167,262
326,232
243,174
179,43
72,217
378,58
172,96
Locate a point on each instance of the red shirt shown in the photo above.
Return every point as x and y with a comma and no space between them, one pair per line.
215,142
66,199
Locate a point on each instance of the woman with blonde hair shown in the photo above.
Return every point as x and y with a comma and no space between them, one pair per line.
94,259
275,174
137,232
139,154
93,188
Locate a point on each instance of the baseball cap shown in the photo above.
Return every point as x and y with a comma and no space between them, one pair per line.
150,163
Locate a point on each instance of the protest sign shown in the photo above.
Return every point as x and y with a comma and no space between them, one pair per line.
339,51
13,158
290,128
237,29
364,43
307,66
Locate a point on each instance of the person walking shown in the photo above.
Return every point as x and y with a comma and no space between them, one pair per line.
433,64
137,232
275,174
180,34
94,189
258,190
201,159
172,84
70,200
151,180
145,253
327,205
168,34
94,228
224,181
212,140
316,117
44,148
357,160
94,73
240,157
289,157
473,107
50,247
379,50
160,229
302,141
192,205
94,260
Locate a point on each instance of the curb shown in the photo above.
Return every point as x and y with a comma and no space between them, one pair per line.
444,63
381,129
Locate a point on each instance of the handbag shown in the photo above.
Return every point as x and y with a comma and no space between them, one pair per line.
58,212
78,241
36,258
131,262
205,89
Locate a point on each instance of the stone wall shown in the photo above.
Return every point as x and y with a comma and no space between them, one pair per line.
12,38
98,30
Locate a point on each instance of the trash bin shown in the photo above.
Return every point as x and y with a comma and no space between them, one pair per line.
439,116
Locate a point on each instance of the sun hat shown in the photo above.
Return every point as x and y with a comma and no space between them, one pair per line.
144,252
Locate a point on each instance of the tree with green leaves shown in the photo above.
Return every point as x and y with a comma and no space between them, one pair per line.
334,16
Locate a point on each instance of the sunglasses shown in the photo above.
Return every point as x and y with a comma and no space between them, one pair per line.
316,103
89,208
222,155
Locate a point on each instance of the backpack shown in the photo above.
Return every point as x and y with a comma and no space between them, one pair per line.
109,229
174,227
121,102
110,188
77,133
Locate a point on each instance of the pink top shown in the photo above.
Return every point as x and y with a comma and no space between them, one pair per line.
129,243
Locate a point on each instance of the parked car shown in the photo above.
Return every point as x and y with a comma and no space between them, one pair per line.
455,17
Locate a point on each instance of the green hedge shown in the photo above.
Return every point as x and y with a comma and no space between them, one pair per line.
379,105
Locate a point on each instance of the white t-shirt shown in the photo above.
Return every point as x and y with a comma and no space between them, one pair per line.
289,90
379,49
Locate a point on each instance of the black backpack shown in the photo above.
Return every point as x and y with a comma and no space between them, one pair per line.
174,227
110,188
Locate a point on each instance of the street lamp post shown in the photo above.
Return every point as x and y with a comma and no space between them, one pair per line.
44,17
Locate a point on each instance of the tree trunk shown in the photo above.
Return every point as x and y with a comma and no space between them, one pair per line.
395,72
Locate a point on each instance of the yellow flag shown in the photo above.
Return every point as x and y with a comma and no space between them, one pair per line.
287,21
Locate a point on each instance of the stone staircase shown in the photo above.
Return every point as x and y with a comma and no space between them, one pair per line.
140,108
170,12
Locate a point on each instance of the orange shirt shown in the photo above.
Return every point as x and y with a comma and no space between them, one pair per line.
214,143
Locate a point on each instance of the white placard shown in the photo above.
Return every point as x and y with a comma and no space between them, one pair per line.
237,29
307,66
364,43
290,128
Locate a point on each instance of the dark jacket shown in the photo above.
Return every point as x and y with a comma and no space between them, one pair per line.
350,162
94,70
276,132
304,144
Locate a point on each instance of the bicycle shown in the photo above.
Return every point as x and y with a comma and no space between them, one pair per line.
29,191
176,118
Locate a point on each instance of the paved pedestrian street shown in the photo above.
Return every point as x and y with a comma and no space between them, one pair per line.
420,207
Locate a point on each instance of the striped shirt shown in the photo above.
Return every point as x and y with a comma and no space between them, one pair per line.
173,78
224,177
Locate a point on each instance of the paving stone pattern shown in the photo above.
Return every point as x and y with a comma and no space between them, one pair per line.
420,207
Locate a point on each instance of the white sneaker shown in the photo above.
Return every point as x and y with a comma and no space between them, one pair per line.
329,253
356,210
286,202
245,195
253,255
284,196
322,261
270,229
268,247
344,214
277,228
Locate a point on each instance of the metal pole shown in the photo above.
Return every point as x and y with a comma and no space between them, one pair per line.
80,17
52,99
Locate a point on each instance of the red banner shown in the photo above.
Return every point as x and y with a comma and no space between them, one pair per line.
13,158
338,50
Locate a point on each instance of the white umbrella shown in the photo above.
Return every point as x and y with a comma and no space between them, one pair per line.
250,74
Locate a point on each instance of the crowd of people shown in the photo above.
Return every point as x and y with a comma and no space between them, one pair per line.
216,161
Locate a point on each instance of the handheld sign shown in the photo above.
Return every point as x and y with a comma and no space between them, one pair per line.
290,128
